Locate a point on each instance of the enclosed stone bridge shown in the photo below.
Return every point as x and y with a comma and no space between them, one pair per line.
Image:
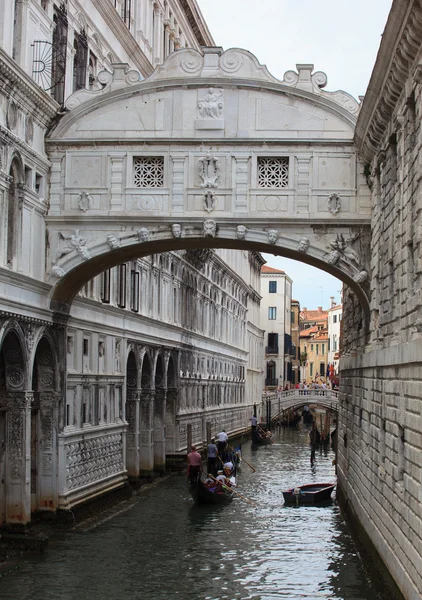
210,151
281,401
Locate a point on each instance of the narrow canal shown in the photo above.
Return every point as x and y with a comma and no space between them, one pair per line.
165,548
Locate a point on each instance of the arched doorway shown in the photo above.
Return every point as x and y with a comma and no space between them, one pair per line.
44,423
146,462
132,416
159,416
15,402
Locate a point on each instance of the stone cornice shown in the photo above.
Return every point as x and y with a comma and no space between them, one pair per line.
398,50
122,33
197,22
8,137
12,73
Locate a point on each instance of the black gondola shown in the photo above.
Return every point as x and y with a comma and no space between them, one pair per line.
260,439
203,493
310,493
291,422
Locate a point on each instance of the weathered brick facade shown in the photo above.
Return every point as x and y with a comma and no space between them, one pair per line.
380,421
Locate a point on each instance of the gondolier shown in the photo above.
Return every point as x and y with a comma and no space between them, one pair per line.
254,422
194,465
212,458
222,439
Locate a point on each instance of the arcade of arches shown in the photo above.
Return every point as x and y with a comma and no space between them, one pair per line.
146,322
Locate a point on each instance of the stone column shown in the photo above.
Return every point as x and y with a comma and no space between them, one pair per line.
47,455
303,183
170,422
146,432
178,191
18,458
133,445
159,430
241,190
116,183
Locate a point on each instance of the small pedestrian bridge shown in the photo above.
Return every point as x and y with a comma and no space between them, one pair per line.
281,401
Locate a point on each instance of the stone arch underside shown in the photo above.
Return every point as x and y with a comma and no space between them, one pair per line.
234,159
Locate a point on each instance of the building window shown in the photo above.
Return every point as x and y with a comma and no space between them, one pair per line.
316,348
322,369
339,317
292,317
272,313
334,318
273,172
312,347
134,290
121,299
59,50
272,287
86,347
311,369
105,287
323,349
126,12
80,46
148,171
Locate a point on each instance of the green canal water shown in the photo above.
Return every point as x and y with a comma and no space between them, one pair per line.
165,548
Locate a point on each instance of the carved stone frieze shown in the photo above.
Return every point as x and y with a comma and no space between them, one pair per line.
68,243
177,230
211,105
304,244
342,251
241,231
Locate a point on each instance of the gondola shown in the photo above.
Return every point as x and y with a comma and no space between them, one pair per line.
291,422
310,493
307,416
260,440
204,494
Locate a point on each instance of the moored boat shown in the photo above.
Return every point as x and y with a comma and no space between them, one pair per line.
310,493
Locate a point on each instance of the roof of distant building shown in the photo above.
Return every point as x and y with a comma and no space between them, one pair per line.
295,301
309,331
337,307
313,315
266,270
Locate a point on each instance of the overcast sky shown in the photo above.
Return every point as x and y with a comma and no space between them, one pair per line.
340,38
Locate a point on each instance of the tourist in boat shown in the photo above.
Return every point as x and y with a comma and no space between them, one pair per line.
228,466
212,458
194,465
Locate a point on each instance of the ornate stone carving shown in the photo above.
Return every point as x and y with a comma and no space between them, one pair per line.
93,459
14,376
12,115
209,228
342,251
334,203
113,242
272,236
241,231
304,244
176,230
85,201
209,171
30,335
68,243
143,234
211,106
29,130
16,433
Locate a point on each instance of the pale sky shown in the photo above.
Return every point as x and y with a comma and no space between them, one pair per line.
340,38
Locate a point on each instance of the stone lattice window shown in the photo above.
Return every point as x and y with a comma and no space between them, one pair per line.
148,171
273,172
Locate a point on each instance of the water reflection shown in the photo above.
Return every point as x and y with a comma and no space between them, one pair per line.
165,548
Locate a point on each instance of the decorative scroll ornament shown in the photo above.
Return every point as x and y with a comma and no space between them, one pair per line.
176,230
241,231
272,236
211,107
209,228
334,203
58,271
143,234
84,201
304,244
113,242
209,171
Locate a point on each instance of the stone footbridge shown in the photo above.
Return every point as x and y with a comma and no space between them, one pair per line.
281,401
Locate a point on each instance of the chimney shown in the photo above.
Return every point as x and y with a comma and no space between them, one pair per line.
332,301
304,309
319,308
